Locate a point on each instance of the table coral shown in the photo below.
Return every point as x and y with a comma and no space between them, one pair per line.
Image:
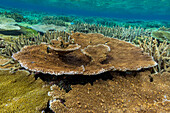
20,92
119,55
44,28
125,92
7,24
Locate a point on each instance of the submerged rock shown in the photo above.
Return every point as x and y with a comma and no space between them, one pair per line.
47,27
8,24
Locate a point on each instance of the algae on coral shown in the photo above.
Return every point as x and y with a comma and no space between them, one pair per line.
20,92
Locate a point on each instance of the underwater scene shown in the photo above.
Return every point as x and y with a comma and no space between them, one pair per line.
84,56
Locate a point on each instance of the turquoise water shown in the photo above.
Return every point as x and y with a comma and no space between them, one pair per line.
130,9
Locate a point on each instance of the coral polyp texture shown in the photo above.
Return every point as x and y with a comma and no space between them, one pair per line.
21,93
96,55
129,93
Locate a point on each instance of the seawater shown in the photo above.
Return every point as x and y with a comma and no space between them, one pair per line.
130,9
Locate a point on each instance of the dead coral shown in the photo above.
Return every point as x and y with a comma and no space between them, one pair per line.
159,51
126,93
20,92
118,55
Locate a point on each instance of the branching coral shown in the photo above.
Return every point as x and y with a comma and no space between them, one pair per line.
115,55
13,44
159,51
127,34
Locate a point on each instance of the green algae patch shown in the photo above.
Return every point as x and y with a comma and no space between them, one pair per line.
161,35
20,92
28,32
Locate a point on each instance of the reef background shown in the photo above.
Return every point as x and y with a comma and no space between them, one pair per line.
146,24
129,9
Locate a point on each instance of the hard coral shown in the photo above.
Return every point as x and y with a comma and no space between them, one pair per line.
133,92
97,53
111,54
159,51
20,92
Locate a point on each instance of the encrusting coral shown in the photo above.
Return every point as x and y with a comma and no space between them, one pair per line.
124,92
20,92
117,55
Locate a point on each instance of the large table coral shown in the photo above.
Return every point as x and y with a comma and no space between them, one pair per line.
115,55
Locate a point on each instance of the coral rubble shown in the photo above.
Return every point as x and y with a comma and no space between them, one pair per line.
117,55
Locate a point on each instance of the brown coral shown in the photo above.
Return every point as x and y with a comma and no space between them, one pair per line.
97,53
111,54
127,93
62,47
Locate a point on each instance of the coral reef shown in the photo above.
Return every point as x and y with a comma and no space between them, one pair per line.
20,92
159,52
118,55
13,44
125,92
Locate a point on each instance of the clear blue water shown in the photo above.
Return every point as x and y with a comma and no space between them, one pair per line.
131,9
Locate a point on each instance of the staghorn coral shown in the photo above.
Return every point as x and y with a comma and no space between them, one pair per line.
20,92
119,55
159,52
127,34
13,44
125,92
